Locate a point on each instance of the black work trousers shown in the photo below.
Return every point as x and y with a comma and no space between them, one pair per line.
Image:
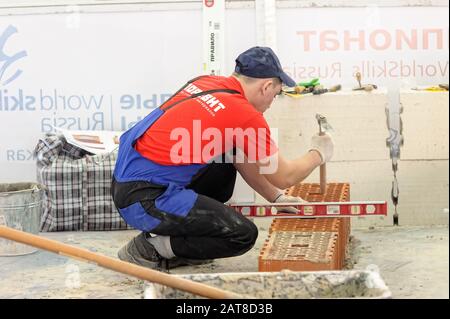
211,229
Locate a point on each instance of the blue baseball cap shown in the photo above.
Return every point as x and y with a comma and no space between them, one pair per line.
262,62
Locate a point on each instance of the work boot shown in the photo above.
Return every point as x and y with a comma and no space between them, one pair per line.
140,252
180,261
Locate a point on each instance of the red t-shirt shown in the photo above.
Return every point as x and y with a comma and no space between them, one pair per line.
199,129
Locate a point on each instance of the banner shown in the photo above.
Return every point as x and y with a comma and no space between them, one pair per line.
105,71
213,36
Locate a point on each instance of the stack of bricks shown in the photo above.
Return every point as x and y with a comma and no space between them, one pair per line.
334,226
308,244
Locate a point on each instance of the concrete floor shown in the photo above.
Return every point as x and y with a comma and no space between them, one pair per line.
413,261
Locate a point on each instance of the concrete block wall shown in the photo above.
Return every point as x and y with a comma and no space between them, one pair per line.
423,192
358,119
361,156
423,169
425,125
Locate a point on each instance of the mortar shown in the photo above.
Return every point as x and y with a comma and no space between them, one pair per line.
284,285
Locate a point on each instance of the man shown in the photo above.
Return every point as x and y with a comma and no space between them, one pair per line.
177,166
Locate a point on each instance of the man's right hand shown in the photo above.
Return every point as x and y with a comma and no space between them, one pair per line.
324,145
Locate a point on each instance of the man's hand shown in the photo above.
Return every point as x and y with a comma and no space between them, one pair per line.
288,199
324,145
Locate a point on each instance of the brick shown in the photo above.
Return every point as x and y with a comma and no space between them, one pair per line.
335,192
300,251
337,225
293,241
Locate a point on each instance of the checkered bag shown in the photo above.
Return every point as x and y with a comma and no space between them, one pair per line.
77,187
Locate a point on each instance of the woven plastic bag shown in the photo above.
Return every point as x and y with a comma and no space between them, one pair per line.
77,187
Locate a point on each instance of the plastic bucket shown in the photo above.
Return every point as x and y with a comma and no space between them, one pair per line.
20,208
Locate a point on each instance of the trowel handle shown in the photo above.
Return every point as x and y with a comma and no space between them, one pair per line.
323,178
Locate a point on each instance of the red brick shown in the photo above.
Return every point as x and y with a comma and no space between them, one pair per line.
285,234
299,251
335,192
336,225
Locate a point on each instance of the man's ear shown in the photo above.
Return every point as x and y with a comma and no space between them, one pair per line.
266,85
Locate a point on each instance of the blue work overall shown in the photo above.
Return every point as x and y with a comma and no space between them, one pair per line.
176,200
